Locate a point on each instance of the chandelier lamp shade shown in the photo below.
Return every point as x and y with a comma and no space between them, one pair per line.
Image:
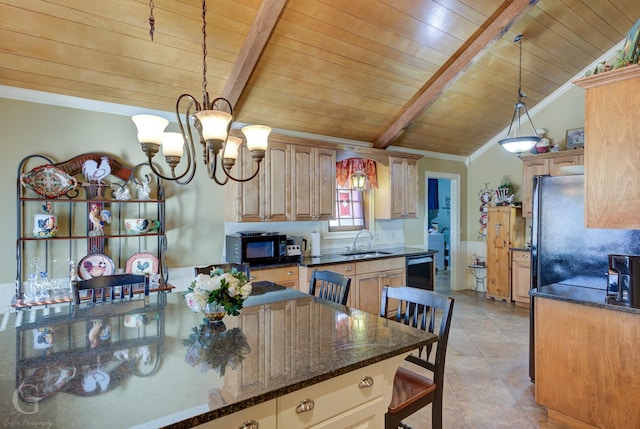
517,140
213,121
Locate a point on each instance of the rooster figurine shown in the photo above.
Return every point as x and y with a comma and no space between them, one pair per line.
98,219
94,172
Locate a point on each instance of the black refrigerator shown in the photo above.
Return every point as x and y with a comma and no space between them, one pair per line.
562,249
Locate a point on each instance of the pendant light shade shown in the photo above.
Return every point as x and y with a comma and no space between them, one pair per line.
358,180
517,139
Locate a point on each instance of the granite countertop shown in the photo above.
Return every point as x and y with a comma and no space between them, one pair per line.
161,365
338,258
580,293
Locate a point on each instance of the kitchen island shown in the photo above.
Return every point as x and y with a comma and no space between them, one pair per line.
586,366
161,365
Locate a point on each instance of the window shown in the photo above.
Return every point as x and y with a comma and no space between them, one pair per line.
350,211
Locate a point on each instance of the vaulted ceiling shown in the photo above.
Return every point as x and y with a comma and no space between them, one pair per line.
433,75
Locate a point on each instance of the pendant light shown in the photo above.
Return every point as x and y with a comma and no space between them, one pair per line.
516,141
358,181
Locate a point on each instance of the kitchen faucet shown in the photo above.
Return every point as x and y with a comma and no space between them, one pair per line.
358,235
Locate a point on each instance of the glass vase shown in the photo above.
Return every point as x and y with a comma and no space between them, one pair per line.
214,312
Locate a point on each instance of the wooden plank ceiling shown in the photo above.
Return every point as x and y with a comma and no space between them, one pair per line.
434,75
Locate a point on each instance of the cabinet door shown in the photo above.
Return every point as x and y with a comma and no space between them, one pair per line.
531,167
565,160
302,175
277,182
367,292
520,277
325,184
246,198
411,189
398,185
392,278
498,244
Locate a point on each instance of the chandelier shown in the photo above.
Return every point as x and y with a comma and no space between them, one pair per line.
515,141
213,122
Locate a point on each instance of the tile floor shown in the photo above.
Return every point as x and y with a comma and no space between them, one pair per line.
487,374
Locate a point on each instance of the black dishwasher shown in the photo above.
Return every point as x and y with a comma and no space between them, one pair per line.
419,271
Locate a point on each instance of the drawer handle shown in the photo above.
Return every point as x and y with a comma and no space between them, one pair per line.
304,406
249,424
348,269
525,256
289,273
365,382
252,277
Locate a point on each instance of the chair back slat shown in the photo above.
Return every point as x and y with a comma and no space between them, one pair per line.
226,266
330,286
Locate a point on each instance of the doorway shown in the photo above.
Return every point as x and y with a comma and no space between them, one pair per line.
442,224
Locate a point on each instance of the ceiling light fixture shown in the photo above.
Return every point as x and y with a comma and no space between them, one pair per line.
213,121
515,141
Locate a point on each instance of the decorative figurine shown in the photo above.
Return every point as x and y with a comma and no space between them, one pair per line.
144,188
94,172
98,218
122,193
45,225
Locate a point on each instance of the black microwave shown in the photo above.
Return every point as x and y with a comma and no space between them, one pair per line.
256,248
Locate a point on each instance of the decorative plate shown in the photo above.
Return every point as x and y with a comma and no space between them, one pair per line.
95,265
142,263
48,181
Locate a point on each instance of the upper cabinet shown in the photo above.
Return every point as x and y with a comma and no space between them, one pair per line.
612,138
265,197
542,165
397,196
313,170
295,182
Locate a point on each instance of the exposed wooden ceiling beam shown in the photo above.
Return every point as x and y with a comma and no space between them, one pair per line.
263,24
497,25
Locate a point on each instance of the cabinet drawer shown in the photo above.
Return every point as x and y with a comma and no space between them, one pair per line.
332,397
264,414
521,256
378,265
348,269
276,275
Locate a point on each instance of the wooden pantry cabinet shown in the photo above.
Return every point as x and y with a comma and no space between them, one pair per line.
505,229
542,165
397,195
612,138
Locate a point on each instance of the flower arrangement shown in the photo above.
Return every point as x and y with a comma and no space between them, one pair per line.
210,347
228,289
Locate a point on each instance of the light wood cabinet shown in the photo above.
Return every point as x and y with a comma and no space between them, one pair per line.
284,276
367,280
587,372
371,276
505,229
313,172
266,197
397,195
542,165
520,276
612,138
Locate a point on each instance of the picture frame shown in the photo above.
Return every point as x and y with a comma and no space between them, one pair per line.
575,138
632,44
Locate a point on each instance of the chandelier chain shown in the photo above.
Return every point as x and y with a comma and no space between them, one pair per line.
204,47
520,93
152,20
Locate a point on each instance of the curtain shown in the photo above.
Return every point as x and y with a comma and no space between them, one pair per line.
346,168
433,194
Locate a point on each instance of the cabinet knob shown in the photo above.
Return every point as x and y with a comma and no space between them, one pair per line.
289,273
348,269
305,405
252,277
249,424
366,382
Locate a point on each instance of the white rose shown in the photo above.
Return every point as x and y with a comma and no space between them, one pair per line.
196,301
203,282
245,290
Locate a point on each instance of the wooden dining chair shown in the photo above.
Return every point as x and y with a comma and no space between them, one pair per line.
113,288
331,286
421,309
226,266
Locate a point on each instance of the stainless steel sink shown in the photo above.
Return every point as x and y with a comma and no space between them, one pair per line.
366,254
